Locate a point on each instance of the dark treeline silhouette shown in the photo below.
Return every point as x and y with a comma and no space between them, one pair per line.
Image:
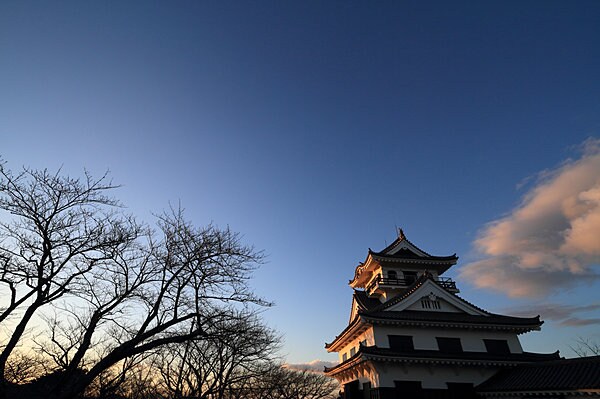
97,304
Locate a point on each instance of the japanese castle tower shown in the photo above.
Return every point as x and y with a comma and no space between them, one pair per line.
411,336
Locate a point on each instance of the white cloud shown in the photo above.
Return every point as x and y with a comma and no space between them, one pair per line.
551,240
315,365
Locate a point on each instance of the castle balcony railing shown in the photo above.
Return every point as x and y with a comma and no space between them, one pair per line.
447,283
379,281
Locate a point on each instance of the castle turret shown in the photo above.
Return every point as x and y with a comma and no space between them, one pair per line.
383,274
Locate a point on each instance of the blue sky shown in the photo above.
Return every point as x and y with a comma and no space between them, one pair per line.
315,128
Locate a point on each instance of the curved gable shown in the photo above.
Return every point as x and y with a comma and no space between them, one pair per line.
429,288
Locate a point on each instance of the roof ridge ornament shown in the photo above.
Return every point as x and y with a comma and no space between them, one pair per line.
401,235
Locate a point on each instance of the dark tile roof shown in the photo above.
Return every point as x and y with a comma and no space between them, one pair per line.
432,354
421,356
407,254
565,374
403,293
401,237
449,317
373,309
365,301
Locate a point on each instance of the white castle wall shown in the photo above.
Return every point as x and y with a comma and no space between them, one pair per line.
432,377
472,340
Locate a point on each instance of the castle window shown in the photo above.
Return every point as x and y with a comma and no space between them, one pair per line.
392,275
366,387
496,346
449,345
408,388
402,343
410,277
464,388
344,357
352,352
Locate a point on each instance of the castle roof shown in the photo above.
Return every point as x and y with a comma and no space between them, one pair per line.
370,311
403,248
578,375
374,353
450,319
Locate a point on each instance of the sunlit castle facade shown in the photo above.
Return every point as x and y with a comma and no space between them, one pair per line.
411,336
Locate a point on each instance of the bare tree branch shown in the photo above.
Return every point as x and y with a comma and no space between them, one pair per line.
585,347
118,291
59,230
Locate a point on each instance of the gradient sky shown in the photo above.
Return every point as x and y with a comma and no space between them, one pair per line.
317,128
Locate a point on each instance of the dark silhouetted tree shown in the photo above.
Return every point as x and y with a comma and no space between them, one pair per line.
236,349
280,382
125,289
55,230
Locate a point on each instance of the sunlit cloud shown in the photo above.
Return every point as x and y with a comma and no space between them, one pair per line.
564,315
315,365
551,240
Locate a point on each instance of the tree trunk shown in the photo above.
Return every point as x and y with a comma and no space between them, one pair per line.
14,339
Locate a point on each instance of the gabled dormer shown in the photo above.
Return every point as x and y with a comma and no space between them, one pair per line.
398,266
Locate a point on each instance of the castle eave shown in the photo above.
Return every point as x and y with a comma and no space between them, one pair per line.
453,320
476,359
354,330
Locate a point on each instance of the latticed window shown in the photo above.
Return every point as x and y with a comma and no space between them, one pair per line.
429,304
